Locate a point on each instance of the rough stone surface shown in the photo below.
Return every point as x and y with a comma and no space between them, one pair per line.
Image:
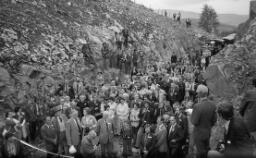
40,38
232,70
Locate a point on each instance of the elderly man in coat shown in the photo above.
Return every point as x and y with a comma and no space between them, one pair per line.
73,131
203,118
105,131
49,135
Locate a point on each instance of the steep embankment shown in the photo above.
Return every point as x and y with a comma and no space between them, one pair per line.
233,70
39,40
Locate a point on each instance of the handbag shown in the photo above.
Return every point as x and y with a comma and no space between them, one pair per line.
72,150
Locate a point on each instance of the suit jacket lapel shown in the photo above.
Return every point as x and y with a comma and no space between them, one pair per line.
228,135
76,124
172,133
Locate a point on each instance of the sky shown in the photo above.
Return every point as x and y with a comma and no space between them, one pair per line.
221,6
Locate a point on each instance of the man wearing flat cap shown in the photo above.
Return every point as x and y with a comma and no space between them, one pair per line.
203,118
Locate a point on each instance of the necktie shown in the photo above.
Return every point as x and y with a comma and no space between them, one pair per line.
37,110
77,124
171,129
60,119
106,126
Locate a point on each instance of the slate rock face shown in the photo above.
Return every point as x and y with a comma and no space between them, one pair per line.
232,70
43,39
218,83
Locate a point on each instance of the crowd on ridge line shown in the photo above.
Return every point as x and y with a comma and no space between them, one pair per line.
177,17
164,112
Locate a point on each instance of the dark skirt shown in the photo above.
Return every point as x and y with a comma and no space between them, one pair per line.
154,153
127,147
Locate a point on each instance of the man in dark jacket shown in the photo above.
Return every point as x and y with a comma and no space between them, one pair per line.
248,111
237,141
175,137
81,105
203,118
49,135
174,58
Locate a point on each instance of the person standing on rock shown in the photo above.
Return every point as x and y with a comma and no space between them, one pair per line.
118,40
203,118
174,16
105,54
179,17
126,37
88,54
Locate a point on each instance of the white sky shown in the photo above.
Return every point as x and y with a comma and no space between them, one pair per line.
221,6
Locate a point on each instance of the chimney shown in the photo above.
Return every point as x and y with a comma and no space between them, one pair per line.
252,9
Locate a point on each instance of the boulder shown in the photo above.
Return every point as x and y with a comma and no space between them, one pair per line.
232,71
218,83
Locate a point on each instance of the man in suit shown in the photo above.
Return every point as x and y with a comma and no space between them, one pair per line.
73,130
49,135
175,138
161,136
59,121
182,121
105,131
203,118
237,139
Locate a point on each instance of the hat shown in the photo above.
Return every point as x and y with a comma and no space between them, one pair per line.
125,96
202,89
120,97
56,109
87,109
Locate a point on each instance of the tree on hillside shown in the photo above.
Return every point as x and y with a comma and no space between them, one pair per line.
209,19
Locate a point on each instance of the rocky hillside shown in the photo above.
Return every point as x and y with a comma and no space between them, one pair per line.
233,70
40,38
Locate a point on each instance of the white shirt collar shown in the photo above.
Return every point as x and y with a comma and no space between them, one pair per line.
226,125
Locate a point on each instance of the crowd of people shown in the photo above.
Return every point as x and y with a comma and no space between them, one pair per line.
160,110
